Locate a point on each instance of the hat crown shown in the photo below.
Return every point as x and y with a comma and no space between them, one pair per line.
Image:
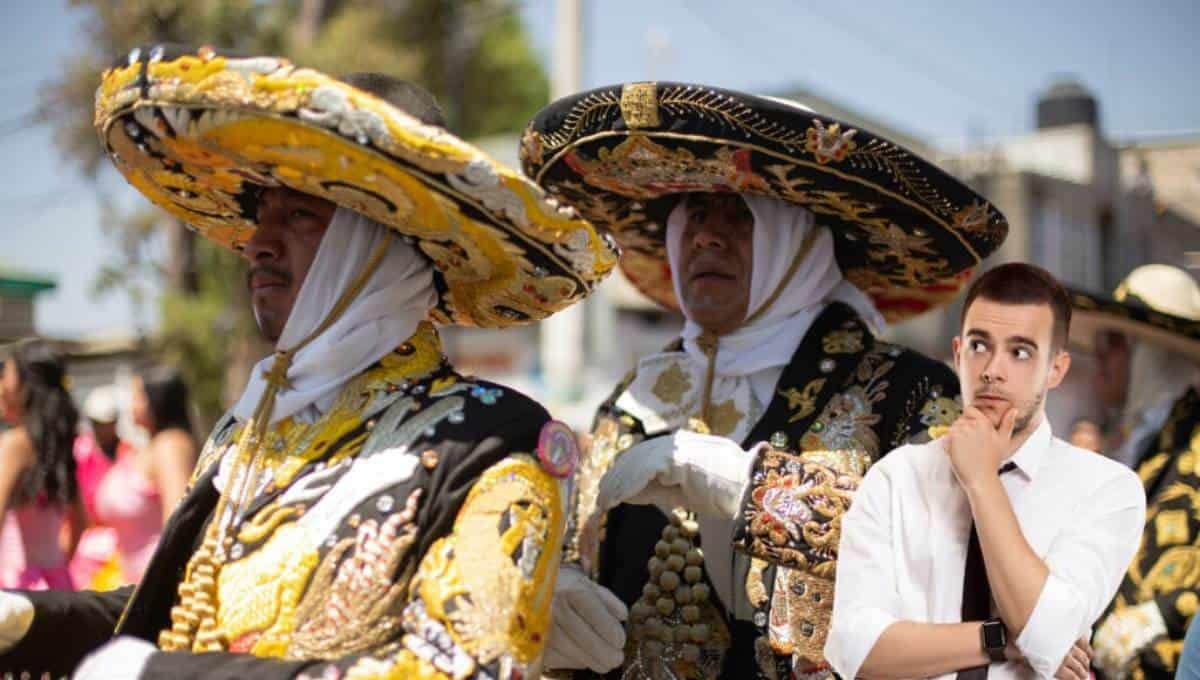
101,405
1163,288
407,96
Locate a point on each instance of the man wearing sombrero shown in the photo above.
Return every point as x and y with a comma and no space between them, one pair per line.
363,510
1147,337
787,240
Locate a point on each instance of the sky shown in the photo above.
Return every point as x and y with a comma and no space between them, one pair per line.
944,71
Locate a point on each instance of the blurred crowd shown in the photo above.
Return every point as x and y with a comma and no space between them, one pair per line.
84,491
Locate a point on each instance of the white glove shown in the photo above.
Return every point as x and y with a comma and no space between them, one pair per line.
704,473
16,616
1123,635
124,658
587,629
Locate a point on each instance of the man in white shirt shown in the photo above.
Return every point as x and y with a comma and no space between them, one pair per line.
992,550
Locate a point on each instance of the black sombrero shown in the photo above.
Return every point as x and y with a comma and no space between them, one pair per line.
1143,306
906,232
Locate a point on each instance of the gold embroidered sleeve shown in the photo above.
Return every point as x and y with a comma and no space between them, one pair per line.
481,596
612,434
791,513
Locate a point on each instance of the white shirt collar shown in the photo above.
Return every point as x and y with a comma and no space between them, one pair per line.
1030,456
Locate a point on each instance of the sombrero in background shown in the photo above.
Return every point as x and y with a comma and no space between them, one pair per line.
201,131
906,233
1156,303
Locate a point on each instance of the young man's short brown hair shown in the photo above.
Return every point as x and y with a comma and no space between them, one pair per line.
1018,283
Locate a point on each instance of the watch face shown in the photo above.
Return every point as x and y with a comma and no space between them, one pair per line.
993,634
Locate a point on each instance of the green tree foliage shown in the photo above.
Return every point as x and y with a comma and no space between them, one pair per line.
472,54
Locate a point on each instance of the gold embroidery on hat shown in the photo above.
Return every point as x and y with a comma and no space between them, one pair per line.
639,105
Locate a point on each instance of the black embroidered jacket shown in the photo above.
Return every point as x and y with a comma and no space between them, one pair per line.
844,400
408,532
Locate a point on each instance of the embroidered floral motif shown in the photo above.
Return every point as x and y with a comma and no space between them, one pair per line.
487,395
973,218
940,411
640,168
842,342
829,143
847,422
803,403
672,384
795,510
354,604
724,417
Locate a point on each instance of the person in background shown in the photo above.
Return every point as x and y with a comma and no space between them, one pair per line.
1151,325
144,484
97,446
1086,434
38,489
1139,375
160,407
95,563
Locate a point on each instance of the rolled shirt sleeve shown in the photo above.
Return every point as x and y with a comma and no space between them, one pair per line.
866,600
1086,565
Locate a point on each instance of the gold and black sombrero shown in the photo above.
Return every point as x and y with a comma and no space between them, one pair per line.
906,233
1150,305
201,131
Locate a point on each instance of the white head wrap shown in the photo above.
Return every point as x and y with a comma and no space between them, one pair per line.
769,341
395,299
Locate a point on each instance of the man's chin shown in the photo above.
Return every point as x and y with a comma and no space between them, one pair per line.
267,328
994,411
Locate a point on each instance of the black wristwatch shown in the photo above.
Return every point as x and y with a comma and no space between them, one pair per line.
994,638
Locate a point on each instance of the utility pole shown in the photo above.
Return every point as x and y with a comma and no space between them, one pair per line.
562,335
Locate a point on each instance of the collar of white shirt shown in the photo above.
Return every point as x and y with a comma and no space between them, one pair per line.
1032,453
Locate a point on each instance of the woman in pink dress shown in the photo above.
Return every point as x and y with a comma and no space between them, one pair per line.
96,564
39,497
140,490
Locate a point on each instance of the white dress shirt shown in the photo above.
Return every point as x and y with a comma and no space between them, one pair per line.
904,547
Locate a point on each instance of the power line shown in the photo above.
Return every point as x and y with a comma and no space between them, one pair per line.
716,30
905,57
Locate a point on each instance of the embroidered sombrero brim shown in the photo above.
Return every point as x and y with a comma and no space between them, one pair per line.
907,233
201,132
1092,313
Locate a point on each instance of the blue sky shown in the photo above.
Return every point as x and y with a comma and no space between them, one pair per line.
936,69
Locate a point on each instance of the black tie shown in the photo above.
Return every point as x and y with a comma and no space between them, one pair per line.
977,594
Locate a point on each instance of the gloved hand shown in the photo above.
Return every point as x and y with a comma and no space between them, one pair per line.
1123,635
16,616
124,658
586,625
704,473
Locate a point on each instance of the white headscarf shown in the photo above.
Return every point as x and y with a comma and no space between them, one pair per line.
769,341
396,298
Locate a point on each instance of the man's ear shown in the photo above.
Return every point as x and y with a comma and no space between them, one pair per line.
955,346
1059,366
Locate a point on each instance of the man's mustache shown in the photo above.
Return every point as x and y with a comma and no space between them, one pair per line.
270,271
